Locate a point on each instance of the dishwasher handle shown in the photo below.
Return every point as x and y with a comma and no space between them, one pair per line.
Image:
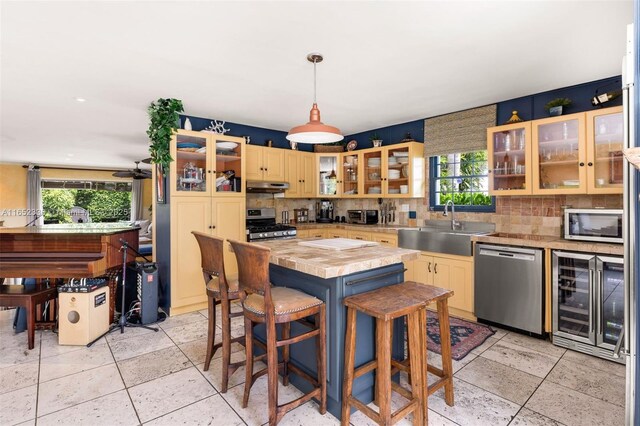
507,255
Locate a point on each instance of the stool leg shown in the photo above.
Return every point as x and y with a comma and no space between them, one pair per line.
211,332
272,372
321,357
349,361
445,343
248,373
423,356
31,323
415,376
286,333
383,371
226,343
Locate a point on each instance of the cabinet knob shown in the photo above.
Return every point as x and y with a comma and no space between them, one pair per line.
208,171
212,227
265,169
589,164
429,267
303,180
581,164
435,268
261,168
488,171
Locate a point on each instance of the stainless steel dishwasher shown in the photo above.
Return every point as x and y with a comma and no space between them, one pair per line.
509,286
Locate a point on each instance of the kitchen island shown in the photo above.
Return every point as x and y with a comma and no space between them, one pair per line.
332,275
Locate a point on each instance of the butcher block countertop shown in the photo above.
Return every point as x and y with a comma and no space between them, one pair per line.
554,243
334,263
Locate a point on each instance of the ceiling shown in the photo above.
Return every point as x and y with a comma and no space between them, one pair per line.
244,62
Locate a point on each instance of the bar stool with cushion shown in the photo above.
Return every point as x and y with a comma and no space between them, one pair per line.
19,295
221,290
278,305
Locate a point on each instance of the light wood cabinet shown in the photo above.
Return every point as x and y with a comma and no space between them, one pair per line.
450,272
203,202
395,171
359,235
300,174
337,233
263,163
570,154
329,175
318,233
352,174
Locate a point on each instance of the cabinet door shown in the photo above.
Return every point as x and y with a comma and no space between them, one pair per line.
292,173
604,151
423,269
228,221
337,233
273,164
253,162
229,166
456,275
559,155
351,175
509,159
187,214
396,172
373,176
188,173
318,233
329,175
307,172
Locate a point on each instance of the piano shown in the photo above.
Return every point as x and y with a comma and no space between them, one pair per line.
67,251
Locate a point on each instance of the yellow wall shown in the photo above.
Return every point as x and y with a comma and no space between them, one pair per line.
13,194
13,188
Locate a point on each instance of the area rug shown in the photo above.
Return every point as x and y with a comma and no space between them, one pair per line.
465,335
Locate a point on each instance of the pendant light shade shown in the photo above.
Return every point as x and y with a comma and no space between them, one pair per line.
315,131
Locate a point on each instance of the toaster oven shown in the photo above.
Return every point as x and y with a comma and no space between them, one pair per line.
362,217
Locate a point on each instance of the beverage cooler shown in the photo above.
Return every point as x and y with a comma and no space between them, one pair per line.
588,302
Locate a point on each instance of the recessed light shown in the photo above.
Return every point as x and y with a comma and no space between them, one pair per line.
79,99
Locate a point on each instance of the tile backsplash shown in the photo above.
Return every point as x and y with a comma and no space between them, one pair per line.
539,215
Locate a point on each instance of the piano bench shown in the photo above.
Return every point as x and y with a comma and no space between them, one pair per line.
18,295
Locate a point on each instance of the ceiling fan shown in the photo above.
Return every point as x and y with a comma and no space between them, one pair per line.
136,173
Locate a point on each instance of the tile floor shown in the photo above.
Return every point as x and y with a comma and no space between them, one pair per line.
141,377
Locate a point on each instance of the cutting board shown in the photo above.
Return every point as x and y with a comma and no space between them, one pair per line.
337,244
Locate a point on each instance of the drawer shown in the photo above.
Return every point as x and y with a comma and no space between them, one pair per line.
385,239
357,235
337,233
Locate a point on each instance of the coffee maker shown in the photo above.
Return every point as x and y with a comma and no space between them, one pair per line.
324,211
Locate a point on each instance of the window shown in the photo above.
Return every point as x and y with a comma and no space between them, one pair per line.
103,201
462,178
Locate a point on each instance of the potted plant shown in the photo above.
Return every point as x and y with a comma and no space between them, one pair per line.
376,140
554,107
163,121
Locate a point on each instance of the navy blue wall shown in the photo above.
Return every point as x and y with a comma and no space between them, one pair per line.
259,135
529,108
532,107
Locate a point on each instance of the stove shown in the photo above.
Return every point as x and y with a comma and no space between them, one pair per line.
262,226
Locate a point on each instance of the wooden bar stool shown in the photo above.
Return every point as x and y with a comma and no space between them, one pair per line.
221,290
430,294
278,305
19,295
385,305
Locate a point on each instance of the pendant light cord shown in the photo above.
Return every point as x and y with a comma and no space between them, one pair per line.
314,81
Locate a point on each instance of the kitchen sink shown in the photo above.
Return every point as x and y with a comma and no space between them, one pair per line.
440,238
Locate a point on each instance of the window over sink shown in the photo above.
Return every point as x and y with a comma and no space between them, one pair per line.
463,178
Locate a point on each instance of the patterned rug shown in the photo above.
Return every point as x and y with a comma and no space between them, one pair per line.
465,335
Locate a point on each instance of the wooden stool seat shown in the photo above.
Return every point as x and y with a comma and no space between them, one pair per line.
408,299
213,287
285,301
19,295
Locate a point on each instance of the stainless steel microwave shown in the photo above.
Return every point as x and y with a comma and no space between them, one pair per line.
602,225
363,217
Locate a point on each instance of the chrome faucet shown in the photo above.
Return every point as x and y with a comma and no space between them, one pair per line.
455,225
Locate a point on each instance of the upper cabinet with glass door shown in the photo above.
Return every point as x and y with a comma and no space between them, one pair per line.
329,175
352,183
558,155
604,151
206,164
404,175
509,159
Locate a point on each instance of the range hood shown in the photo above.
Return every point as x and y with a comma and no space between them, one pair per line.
256,186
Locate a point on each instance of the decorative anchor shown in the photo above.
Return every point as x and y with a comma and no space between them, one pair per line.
217,127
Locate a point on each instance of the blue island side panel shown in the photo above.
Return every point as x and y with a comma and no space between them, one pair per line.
332,291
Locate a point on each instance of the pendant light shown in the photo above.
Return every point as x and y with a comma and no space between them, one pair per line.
314,132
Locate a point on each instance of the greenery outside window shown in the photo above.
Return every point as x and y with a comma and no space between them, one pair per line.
463,178
105,201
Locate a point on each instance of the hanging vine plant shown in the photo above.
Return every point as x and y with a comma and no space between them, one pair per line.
163,121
